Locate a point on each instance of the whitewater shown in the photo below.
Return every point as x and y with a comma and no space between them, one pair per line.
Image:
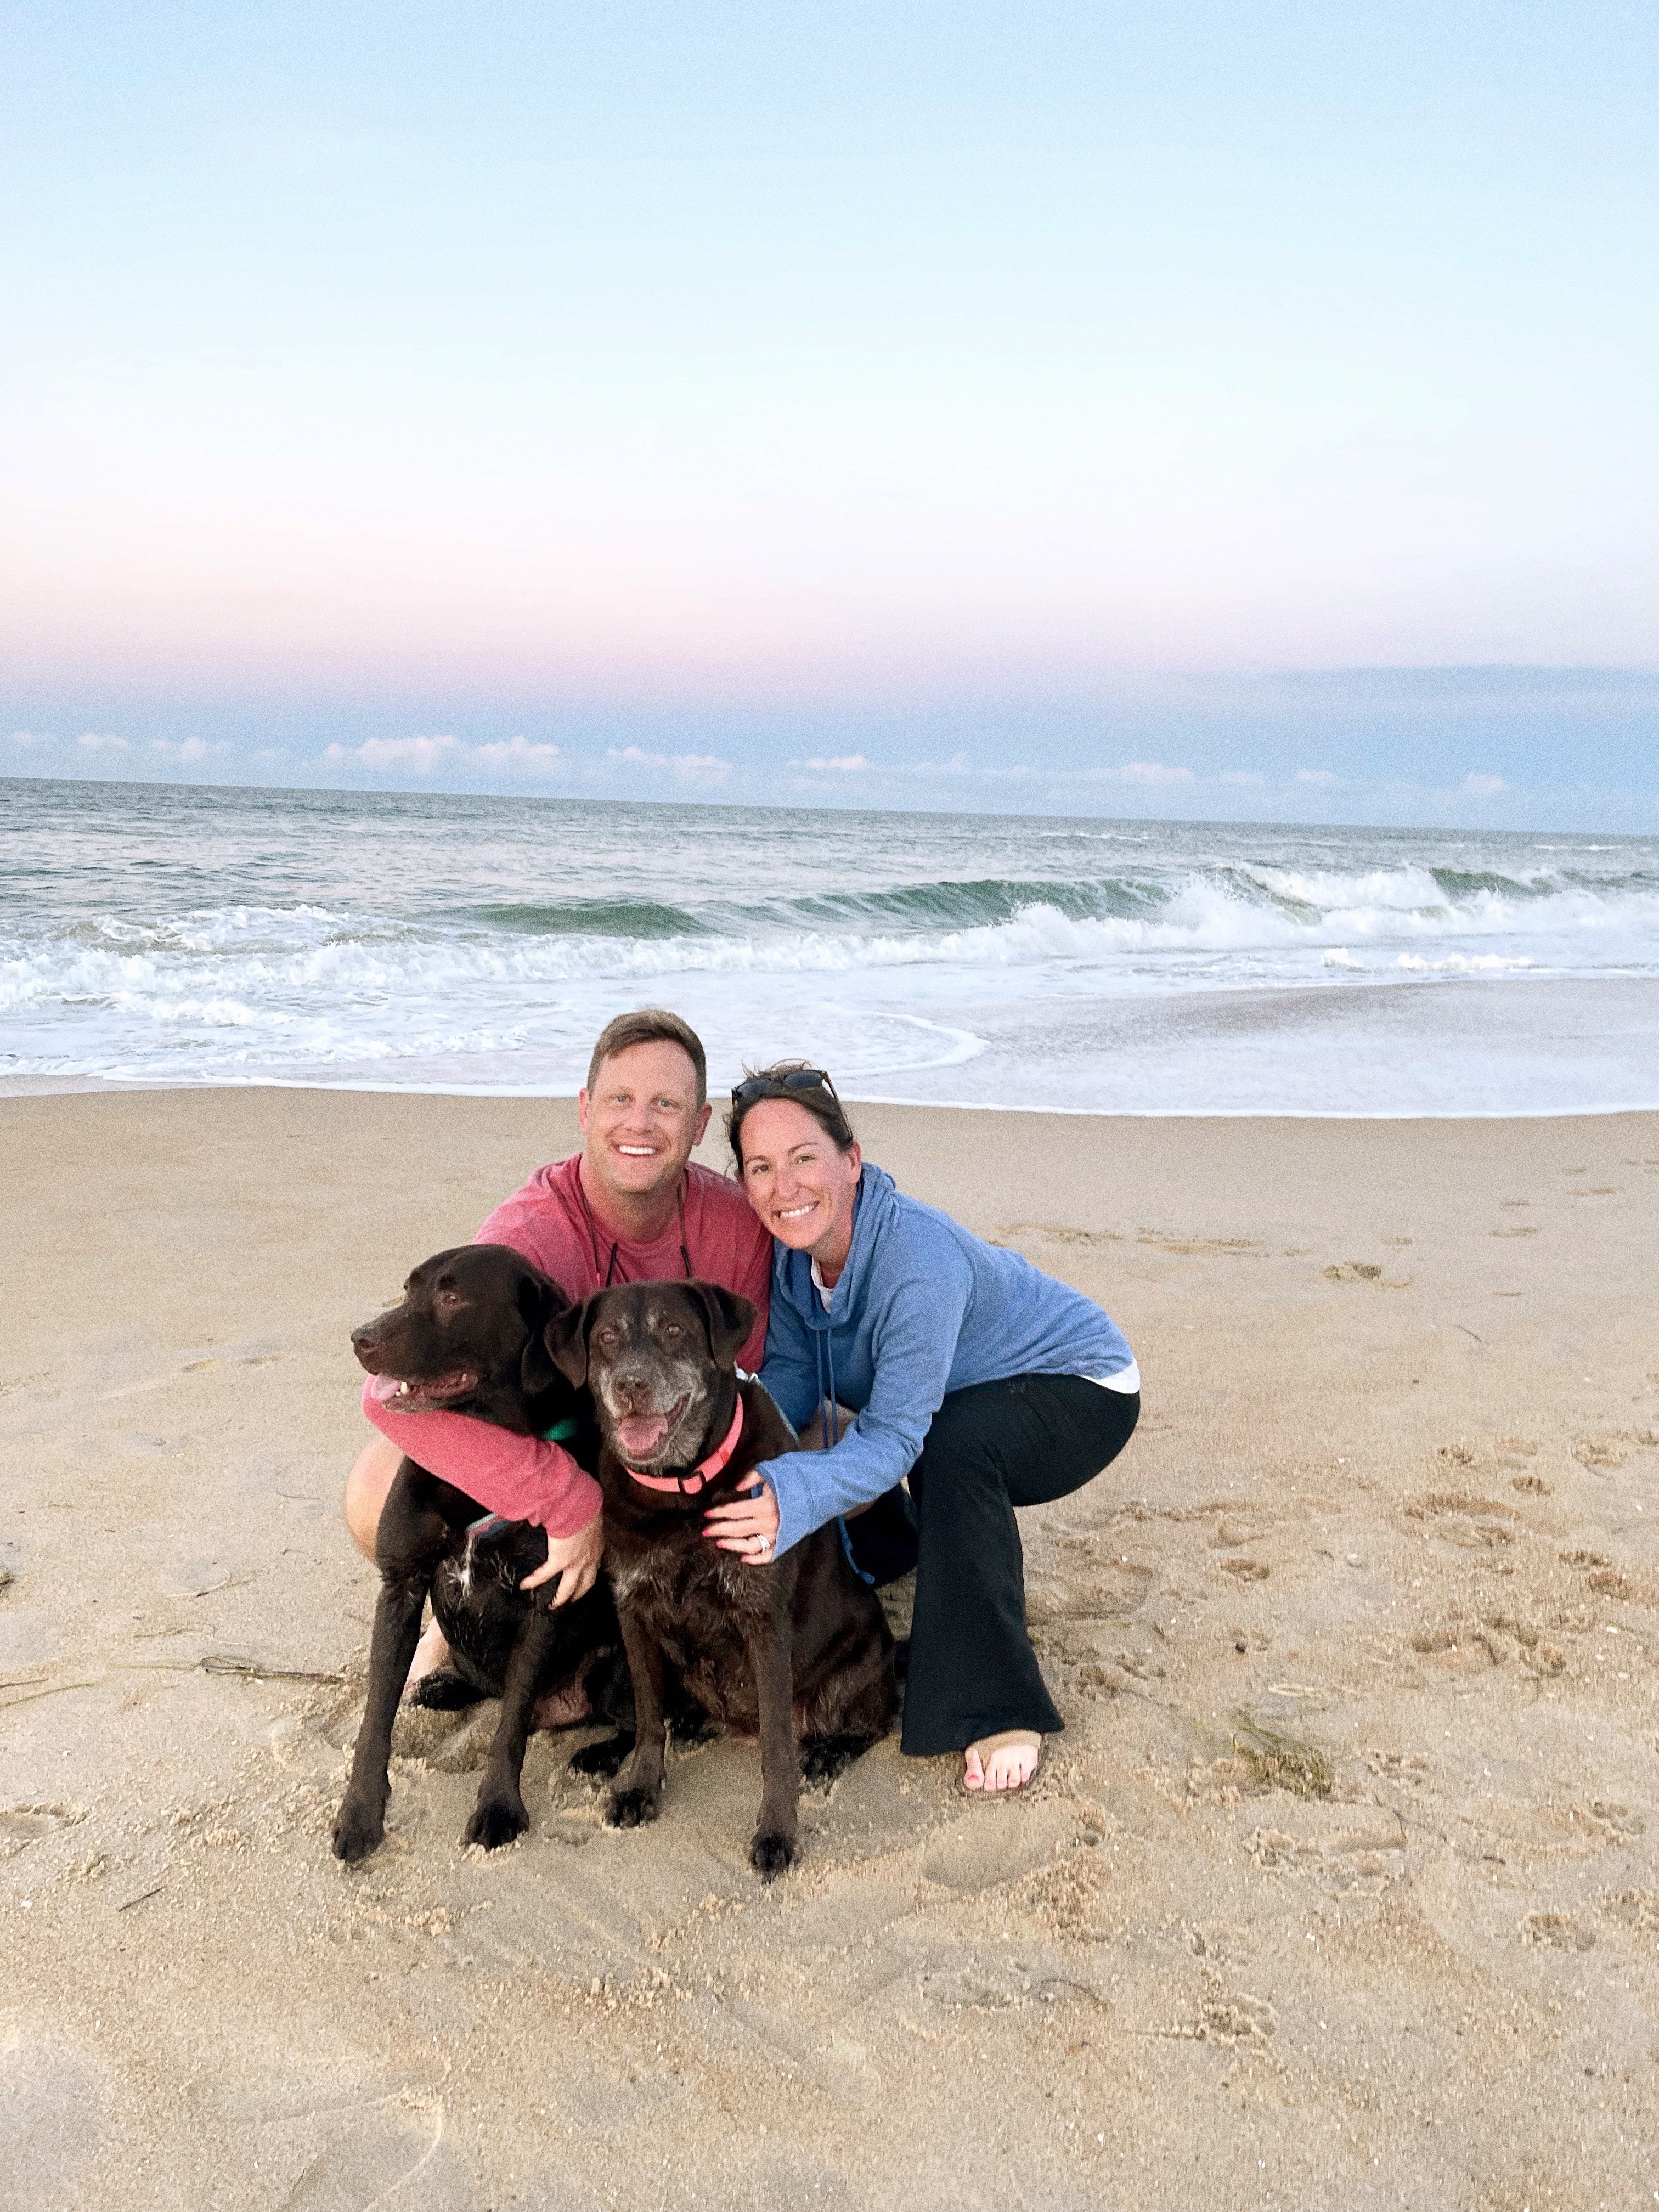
185,935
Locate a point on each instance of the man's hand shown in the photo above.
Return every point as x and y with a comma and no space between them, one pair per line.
749,1527
575,1559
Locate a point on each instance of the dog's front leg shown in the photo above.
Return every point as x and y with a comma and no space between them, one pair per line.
359,1826
777,1833
637,1796
499,1815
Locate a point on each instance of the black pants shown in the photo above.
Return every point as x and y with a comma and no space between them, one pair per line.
1023,1442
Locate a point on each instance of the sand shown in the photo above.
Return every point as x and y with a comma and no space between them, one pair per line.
1340,1889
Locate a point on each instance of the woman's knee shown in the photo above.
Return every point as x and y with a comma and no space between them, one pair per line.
371,1477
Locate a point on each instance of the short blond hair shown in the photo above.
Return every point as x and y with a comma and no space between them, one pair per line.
650,1025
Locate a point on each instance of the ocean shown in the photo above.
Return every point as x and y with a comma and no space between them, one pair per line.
398,941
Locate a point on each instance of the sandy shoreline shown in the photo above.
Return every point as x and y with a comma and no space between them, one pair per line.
1342,1885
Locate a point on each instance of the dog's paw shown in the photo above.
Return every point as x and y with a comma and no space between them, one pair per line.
825,1758
605,1757
444,1691
771,1854
358,1830
495,1821
632,1809
690,1726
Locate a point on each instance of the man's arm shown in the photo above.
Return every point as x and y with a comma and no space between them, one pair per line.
521,1478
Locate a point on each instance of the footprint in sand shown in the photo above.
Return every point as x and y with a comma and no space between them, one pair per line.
23,1824
196,1578
1556,1931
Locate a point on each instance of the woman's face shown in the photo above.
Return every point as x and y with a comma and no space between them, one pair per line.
798,1183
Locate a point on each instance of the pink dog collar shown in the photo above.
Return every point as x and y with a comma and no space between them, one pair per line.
689,1485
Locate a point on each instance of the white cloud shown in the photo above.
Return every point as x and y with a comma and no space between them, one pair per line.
25,740
845,763
92,743
517,755
1318,778
1241,775
705,767
426,755
1482,786
186,749
422,754
1141,772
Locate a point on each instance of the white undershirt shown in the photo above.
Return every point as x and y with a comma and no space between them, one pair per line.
1125,1380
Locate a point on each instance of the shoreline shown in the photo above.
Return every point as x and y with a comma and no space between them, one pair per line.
48,1087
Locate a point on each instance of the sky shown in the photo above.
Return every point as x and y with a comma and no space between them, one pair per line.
1188,410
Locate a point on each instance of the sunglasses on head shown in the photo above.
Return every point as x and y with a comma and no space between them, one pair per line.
777,1086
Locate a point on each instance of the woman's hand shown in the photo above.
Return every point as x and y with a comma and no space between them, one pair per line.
749,1526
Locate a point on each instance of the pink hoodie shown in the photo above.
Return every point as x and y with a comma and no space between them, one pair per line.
524,1478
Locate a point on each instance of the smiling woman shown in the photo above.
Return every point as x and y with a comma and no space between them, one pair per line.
975,1380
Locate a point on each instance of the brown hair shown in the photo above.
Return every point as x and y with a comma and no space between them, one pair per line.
818,1098
650,1025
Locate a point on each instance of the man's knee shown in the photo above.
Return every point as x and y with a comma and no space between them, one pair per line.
371,1477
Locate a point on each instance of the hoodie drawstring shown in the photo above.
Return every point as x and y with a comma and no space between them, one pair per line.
823,1353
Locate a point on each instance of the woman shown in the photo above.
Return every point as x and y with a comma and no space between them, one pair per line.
985,1383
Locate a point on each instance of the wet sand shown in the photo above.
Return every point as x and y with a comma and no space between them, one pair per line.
1340,1888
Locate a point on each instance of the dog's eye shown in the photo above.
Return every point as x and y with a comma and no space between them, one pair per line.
672,1328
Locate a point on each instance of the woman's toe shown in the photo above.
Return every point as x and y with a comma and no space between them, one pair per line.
973,1769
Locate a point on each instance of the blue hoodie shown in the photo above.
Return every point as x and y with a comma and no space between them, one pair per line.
923,1307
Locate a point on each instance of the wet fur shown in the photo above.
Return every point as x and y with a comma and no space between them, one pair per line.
797,1653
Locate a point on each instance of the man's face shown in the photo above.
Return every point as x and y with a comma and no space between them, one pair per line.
641,1119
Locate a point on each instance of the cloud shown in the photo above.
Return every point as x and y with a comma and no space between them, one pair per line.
426,755
423,754
517,755
25,740
705,767
1139,772
1482,786
186,749
845,763
93,743
1317,779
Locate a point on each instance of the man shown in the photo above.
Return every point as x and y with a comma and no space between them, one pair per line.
629,1207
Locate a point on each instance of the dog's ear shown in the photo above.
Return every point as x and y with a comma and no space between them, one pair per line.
566,1339
729,1318
538,1304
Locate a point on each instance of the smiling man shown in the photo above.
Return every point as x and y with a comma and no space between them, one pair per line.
629,1207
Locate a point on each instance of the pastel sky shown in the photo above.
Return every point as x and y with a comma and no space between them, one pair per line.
1182,409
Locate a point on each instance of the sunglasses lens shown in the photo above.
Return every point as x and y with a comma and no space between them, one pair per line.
764,1086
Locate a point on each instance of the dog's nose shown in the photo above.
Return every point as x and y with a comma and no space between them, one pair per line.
365,1337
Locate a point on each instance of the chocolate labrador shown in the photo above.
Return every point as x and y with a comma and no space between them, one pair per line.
797,1652
469,1337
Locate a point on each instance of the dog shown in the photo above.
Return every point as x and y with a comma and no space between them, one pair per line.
797,1652
470,1336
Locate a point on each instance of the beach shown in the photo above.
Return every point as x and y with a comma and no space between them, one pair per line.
1341,1885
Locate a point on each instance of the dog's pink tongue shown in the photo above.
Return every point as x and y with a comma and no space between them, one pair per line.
640,1434
383,1387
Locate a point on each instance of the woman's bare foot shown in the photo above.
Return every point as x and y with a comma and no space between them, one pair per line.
1002,1763
430,1653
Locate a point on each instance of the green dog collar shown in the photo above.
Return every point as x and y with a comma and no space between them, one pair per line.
562,1431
